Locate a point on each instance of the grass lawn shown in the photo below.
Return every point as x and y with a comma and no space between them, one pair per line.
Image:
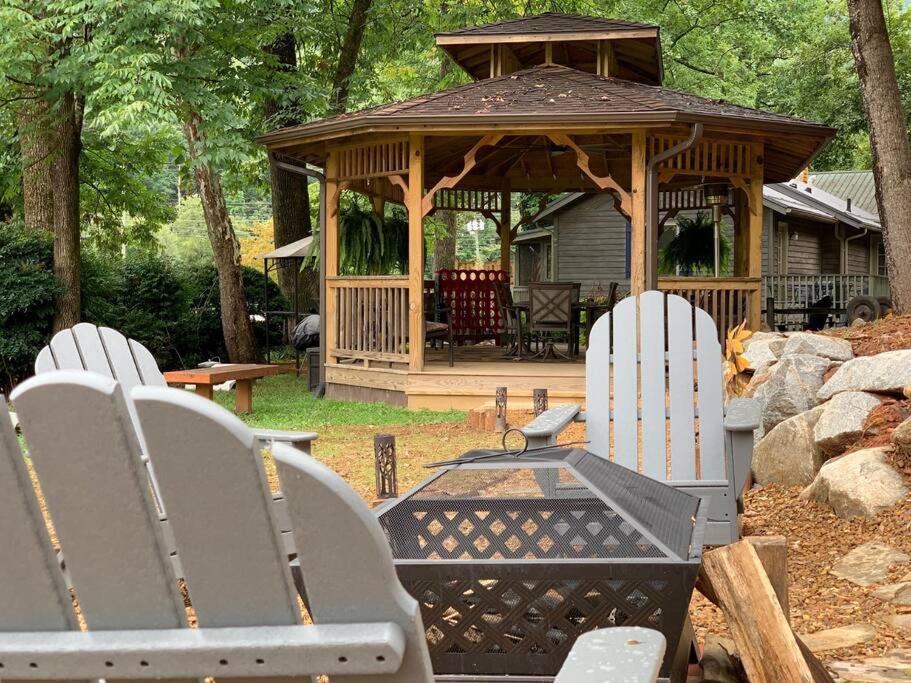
346,430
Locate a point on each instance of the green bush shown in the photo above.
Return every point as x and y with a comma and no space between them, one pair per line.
27,291
173,309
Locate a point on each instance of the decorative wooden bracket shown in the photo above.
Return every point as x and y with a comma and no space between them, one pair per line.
667,216
469,163
742,184
527,220
603,182
333,205
400,181
487,213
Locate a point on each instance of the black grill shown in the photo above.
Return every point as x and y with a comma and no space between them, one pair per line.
512,558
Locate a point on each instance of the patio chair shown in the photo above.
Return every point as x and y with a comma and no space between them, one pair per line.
107,352
437,318
86,457
509,314
645,360
550,313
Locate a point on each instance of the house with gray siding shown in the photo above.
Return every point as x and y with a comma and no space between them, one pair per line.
814,244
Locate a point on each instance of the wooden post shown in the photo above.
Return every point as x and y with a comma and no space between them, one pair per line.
607,59
637,219
505,230
331,237
741,228
413,201
754,235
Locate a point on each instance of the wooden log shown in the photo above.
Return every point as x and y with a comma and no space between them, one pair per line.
767,647
773,553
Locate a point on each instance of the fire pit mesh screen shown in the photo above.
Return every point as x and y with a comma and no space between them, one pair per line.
512,558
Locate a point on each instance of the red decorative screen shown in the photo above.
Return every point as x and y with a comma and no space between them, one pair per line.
471,295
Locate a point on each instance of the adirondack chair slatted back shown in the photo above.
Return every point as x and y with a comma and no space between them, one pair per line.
645,361
86,456
82,442
102,350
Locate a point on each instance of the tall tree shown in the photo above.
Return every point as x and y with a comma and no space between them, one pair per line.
349,50
888,138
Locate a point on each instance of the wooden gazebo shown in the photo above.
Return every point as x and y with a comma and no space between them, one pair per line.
559,104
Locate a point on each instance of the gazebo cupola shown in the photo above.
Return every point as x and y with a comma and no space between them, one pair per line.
559,103
606,47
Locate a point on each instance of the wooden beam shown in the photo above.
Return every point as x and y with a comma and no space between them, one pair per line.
767,647
505,230
754,233
583,162
332,264
607,59
469,163
413,203
637,213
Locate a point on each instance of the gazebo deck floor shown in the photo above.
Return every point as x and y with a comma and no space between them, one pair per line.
471,383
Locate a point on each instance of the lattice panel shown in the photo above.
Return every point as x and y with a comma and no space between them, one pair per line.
725,159
532,622
466,200
470,293
513,529
373,160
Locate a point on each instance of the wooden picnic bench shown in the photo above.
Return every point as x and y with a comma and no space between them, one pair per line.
244,374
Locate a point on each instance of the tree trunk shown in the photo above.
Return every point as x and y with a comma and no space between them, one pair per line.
444,249
888,139
347,56
290,197
235,321
36,145
67,229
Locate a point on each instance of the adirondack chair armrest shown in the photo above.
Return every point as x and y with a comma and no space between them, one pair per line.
300,440
742,415
741,419
544,429
635,651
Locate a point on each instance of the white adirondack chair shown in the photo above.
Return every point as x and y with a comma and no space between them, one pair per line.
86,456
655,401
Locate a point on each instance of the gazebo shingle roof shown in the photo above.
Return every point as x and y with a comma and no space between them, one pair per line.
552,91
549,22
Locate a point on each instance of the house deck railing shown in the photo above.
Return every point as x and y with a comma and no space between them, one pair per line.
802,291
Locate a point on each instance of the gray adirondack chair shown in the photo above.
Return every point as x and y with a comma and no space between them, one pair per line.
107,352
644,363
84,449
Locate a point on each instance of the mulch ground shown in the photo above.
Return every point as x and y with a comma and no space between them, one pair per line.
888,334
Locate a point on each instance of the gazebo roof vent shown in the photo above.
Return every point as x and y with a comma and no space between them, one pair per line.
608,47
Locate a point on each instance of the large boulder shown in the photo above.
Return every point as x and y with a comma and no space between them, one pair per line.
888,372
822,345
842,420
762,348
788,453
791,388
901,436
862,484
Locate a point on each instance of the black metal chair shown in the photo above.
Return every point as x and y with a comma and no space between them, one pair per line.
551,314
509,313
437,318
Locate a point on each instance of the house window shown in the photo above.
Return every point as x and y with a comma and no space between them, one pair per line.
881,259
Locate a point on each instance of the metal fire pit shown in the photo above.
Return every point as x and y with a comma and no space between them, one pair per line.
512,558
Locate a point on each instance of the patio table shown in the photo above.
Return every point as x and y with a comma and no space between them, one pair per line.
244,374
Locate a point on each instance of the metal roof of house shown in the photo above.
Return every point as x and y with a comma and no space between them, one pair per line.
858,186
835,207
533,235
791,198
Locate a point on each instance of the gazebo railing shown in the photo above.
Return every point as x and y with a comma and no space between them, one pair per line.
369,316
728,300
